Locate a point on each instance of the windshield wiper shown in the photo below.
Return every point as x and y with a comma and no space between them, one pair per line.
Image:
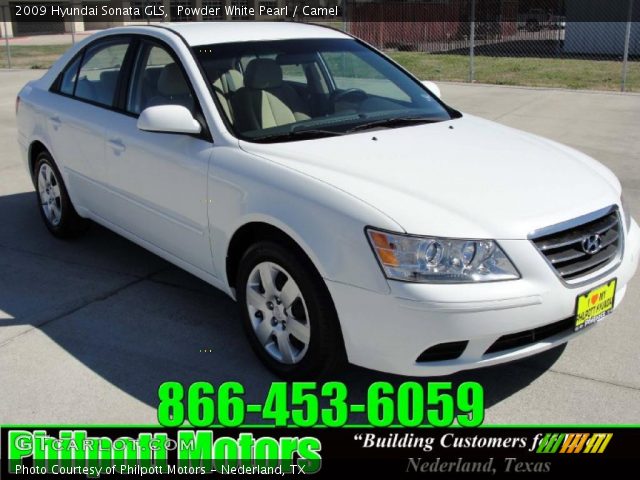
298,135
307,134
394,122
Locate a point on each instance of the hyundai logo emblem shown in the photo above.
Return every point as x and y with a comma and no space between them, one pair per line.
592,244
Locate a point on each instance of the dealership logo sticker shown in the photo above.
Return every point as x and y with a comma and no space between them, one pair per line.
574,442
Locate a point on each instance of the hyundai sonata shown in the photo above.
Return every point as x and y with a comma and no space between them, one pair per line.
352,214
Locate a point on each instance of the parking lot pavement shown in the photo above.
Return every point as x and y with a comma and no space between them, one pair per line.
90,328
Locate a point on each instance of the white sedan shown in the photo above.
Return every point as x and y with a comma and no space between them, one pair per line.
352,214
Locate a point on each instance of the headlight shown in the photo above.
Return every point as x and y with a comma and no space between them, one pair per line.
626,212
440,260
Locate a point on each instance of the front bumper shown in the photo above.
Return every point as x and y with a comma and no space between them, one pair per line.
388,332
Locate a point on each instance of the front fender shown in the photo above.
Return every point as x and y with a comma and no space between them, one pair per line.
327,223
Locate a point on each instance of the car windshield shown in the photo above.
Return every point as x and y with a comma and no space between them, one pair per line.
289,90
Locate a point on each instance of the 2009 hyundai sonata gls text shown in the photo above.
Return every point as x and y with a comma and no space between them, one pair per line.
351,213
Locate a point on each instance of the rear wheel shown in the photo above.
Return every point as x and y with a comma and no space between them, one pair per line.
54,203
288,313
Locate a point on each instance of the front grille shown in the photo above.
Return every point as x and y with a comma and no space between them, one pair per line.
564,249
521,339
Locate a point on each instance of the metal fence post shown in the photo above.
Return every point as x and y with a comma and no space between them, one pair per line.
345,28
625,56
6,37
472,41
73,29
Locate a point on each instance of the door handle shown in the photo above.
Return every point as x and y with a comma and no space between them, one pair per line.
55,121
117,146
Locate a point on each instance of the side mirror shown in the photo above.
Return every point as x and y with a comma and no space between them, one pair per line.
168,119
432,87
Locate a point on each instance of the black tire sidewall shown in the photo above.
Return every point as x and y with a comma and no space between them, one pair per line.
325,349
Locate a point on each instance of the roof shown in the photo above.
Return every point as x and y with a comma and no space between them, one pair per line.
206,33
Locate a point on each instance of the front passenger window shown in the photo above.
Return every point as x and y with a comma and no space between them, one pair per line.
98,76
158,80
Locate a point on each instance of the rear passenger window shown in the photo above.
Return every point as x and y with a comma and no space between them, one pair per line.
98,76
68,81
158,80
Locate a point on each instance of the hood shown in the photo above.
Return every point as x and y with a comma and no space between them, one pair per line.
461,178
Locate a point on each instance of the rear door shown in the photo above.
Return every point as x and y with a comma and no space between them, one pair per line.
158,181
77,114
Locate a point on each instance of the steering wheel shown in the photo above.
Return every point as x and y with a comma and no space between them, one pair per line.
357,95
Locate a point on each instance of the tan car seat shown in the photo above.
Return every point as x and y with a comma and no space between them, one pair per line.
265,100
226,83
173,88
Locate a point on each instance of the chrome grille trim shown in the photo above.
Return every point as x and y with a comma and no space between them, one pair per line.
576,252
563,239
588,262
561,245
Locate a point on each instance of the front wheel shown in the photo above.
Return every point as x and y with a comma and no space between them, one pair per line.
288,313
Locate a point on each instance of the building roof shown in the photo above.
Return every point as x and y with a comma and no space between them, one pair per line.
206,33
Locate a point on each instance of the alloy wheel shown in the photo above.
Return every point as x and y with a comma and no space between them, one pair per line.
278,313
49,192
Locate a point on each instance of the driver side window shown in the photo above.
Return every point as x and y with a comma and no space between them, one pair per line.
158,80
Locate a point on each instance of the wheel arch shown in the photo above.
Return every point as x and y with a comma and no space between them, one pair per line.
255,231
36,148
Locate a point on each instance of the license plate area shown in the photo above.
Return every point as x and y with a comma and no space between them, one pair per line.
594,305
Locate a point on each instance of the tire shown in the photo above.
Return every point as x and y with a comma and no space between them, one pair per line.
297,339
54,204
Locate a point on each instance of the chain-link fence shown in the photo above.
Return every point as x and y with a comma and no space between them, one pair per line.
593,44
553,43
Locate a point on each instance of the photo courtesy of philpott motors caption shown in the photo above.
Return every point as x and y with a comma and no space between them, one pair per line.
354,217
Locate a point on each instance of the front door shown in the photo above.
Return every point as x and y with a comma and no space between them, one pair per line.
158,181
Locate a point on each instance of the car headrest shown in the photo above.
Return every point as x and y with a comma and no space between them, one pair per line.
109,76
263,73
234,79
171,81
227,80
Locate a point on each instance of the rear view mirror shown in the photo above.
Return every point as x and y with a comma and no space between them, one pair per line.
168,119
432,87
